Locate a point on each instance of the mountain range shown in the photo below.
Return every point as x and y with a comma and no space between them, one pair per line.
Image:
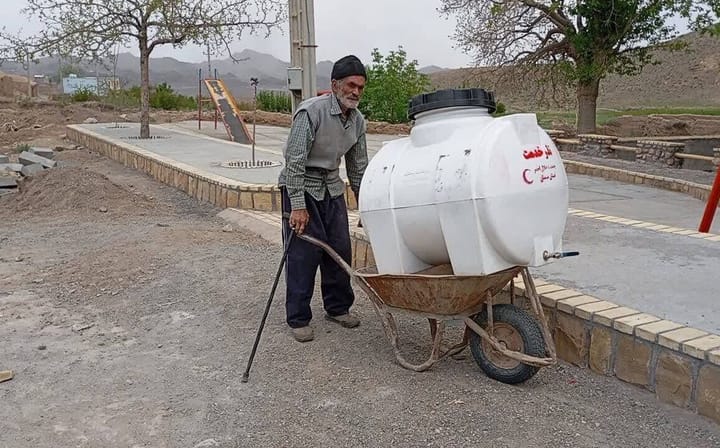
183,76
687,78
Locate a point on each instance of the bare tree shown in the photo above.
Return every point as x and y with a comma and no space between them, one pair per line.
90,28
580,41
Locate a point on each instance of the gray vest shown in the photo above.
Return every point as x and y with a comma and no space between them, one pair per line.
331,137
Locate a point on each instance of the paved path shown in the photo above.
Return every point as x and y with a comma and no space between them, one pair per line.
638,248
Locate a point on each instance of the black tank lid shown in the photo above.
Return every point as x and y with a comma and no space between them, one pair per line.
451,98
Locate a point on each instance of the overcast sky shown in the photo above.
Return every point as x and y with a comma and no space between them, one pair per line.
342,27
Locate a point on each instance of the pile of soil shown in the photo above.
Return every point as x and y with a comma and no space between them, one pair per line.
72,189
662,125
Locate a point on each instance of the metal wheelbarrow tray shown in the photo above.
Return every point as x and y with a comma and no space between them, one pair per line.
508,343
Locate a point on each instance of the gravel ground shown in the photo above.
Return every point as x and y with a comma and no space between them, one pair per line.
131,327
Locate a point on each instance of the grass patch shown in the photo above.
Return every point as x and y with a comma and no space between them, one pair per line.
550,118
22,147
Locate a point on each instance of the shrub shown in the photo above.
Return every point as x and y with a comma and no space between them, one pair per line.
83,94
274,101
163,97
392,82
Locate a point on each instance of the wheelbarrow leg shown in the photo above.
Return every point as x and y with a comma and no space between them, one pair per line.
538,309
454,350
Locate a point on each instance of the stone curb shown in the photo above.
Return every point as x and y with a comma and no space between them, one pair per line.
202,185
679,364
698,191
650,226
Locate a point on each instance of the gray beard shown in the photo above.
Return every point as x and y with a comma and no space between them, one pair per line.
348,103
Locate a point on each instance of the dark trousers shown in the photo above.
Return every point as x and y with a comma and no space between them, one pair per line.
329,223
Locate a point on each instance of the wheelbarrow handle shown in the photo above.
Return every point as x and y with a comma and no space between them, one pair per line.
330,251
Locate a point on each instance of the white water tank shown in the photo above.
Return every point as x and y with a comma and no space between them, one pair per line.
481,193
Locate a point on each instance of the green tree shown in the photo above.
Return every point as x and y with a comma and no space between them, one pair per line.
392,82
91,28
579,41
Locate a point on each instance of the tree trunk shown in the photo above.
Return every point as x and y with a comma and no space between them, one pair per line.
587,93
144,90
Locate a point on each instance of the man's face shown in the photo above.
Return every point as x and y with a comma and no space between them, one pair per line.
349,90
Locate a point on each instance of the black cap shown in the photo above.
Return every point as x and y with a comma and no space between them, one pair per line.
348,66
451,98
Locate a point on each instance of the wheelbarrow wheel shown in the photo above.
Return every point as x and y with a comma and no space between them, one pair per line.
516,330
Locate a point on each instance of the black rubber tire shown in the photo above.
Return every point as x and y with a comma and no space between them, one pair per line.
530,332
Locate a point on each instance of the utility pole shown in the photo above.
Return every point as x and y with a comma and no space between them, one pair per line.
302,51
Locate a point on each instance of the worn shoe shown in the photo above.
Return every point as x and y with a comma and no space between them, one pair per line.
303,334
346,320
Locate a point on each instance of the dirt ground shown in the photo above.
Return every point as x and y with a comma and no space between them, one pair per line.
127,311
662,125
43,123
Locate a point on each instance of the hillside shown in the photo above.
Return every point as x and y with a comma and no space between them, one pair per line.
689,78
683,78
183,76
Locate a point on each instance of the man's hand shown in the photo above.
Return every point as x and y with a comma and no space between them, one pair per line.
299,220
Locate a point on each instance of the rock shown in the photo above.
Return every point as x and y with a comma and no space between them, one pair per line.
12,167
207,443
7,375
41,347
37,126
43,152
90,120
8,182
81,327
31,170
227,228
28,158
19,258
103,209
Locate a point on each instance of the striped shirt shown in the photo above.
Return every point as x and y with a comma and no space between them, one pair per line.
298,178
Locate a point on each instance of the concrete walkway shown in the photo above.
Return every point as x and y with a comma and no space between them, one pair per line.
645,254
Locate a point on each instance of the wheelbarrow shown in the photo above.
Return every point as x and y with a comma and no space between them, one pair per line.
508,343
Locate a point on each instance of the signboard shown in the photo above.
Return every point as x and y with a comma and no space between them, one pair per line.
73,84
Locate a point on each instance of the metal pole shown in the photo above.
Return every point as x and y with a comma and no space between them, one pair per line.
199,99
711,206
246,375
254,82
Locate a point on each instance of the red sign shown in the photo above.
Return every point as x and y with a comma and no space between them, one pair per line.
541,173
538,152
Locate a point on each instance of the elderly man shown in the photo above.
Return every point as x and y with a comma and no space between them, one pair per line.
324,130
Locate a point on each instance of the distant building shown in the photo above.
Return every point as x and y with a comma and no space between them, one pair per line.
15,85
97,85
73,83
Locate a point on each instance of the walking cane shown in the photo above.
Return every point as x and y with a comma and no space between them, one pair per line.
246,375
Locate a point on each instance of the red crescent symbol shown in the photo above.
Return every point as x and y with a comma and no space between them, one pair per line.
527,181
